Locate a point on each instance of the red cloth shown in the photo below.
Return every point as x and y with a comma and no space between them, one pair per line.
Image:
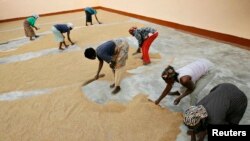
145,47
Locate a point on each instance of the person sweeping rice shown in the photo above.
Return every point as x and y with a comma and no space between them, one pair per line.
224,105
58,31
89,11
115,53
29,24
187,76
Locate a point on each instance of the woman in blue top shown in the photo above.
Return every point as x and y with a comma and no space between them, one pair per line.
89,12
58,31
29,24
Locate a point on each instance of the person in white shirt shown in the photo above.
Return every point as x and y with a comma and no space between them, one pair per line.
187,76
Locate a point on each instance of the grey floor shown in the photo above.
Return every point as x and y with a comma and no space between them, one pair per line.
231,65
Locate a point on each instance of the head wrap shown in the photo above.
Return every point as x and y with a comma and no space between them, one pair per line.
131,30
169,72
35,15
194,114
70,25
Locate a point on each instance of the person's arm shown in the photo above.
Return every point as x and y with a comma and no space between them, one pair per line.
164,93
140,42
68,35
99,68
97,19
36,27
188,83
192,134
201,135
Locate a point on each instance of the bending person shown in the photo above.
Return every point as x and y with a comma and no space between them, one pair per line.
115,53
29,24
89,12
187,76
225,104
145,37
58,31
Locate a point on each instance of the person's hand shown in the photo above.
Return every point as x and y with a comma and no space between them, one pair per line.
135,53
176,101
112,64
96,77
150,100
150,34
157,102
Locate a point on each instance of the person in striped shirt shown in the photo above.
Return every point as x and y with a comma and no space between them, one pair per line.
224,105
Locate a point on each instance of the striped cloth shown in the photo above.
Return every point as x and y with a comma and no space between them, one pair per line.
225,104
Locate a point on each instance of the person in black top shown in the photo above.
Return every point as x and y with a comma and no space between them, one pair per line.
225,104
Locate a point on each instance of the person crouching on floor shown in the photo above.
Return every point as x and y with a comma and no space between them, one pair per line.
145,36
58,31
29,24
224,105
115,53
187,76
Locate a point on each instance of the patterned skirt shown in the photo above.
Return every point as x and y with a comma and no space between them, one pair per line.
121,55
28,30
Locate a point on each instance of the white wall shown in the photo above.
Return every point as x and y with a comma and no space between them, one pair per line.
225,16
22,8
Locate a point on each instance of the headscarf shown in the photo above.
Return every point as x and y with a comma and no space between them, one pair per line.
35,15
70,25
131,30
169,72
194,114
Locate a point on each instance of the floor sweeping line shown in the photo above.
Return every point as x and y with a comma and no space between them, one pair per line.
49,32
48,23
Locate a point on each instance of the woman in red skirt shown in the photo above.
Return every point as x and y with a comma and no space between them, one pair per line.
145,37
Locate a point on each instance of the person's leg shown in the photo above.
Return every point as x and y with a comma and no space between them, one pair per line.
88,17
145,48
65,44
113,85
60,46
118,76
58,37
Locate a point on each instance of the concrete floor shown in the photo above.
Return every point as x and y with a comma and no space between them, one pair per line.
231,65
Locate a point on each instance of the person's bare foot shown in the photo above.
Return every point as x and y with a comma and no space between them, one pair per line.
112,85
146,63
116,90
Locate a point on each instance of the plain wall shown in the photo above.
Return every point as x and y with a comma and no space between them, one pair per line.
224,16
23,8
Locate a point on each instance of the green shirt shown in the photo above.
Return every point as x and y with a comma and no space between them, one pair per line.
31,21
